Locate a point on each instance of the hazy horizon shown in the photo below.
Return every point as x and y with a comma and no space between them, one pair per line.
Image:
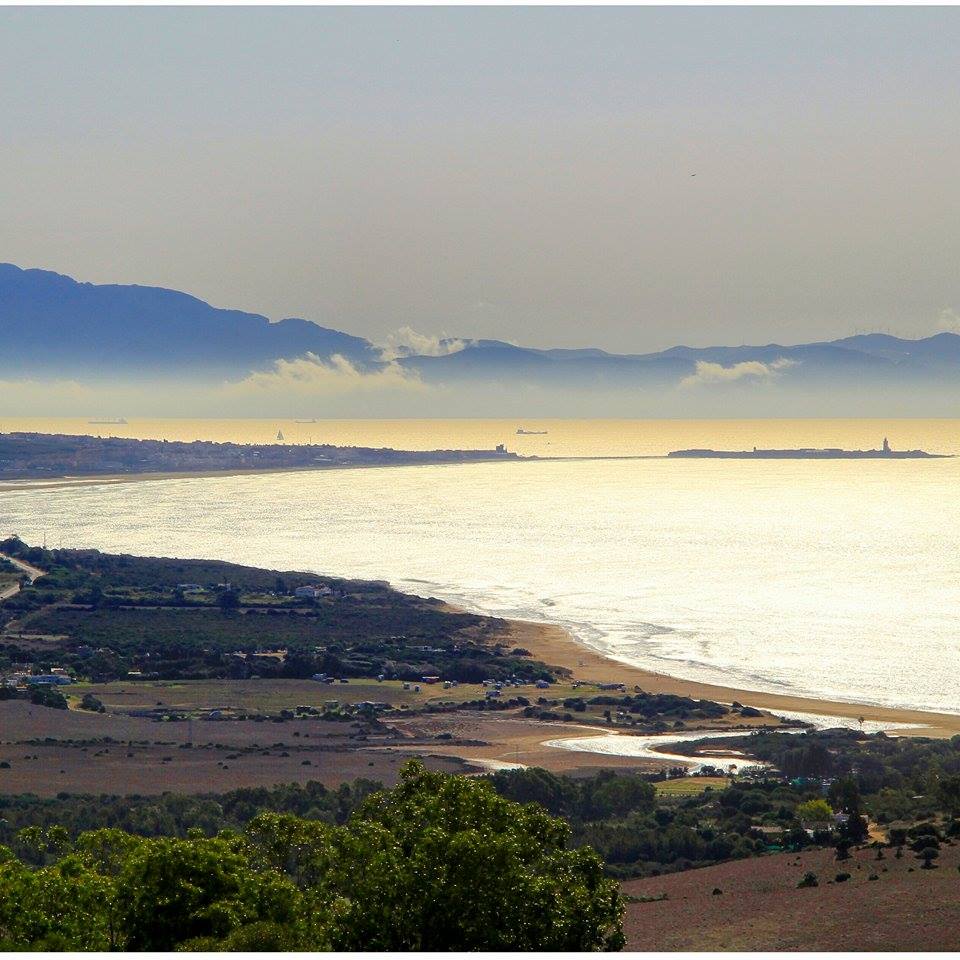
627,178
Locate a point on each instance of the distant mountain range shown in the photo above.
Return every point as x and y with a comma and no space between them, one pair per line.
53,326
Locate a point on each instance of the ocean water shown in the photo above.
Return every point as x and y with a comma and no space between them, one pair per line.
838,578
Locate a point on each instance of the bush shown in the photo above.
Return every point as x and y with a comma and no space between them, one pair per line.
809,880
928,855
42,695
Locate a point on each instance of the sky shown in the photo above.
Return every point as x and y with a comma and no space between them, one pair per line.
621,178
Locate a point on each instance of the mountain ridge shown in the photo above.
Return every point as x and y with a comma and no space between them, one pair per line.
53,325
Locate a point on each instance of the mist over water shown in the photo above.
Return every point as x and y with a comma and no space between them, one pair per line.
835,578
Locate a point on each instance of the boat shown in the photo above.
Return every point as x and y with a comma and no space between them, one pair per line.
530,433
279,434
311,420
113,420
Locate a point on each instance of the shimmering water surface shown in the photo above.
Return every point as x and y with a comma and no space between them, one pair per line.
835,578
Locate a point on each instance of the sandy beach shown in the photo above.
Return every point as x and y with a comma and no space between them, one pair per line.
555,646
87,480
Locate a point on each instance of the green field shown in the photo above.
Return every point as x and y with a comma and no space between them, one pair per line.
272,695
690,786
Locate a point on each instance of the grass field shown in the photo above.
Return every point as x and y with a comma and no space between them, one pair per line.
270,696
691,786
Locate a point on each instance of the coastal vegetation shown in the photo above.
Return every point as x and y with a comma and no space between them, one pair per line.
639,823
438,863
107,617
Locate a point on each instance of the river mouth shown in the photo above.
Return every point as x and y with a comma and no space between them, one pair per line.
657,746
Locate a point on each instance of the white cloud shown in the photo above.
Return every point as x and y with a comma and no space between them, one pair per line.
756,370
334,387
950,320
406,342
310,376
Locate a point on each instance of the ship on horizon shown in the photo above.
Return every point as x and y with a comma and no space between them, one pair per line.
112,420
812,453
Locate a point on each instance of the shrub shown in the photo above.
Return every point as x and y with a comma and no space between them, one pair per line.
809,880
928,855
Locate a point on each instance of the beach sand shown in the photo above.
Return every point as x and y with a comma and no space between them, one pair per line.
109,479
555,646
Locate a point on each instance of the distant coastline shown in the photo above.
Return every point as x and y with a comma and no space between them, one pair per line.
810,453
69,459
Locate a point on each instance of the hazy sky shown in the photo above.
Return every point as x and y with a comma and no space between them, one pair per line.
522,174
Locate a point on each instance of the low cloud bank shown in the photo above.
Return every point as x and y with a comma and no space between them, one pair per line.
950,320
711,373
311,376
406,342
311,385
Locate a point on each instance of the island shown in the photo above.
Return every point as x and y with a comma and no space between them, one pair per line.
25,456
812,453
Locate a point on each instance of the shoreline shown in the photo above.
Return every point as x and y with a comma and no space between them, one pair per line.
555,646
13,484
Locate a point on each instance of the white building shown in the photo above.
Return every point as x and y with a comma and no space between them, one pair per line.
312,592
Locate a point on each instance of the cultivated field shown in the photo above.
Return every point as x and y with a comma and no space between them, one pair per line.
53,751
274,695
691,786
760,907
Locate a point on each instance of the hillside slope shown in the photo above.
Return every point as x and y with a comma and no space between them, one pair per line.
761,908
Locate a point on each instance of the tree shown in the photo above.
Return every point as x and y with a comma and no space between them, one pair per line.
172,891
445,863
438,863
90,702
816,811
928,855
845,796
228,600
45,695
948,793
52,908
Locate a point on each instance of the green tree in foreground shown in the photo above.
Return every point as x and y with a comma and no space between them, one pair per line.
438,863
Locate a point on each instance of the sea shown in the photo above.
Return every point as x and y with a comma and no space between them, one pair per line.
838,579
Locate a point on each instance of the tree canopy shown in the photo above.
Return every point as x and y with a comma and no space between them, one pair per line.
438,863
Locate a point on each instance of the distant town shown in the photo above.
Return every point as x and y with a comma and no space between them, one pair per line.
38,455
